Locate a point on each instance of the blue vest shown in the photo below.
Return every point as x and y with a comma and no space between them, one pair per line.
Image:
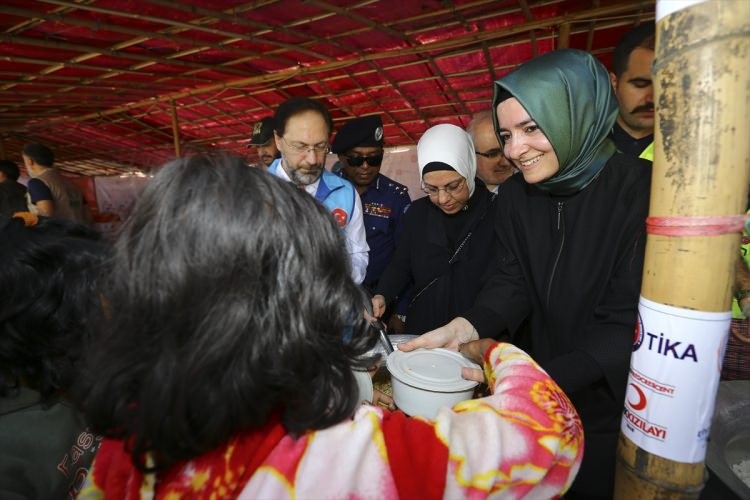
335,193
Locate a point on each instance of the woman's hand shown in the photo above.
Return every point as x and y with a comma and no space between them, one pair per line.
451,336
475,351
378,305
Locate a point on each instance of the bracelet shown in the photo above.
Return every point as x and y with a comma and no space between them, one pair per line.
742,294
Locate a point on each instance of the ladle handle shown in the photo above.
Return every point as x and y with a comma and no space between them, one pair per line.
384,339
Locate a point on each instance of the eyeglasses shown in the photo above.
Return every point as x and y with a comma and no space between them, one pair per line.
451,188
357,161
303,149
491,154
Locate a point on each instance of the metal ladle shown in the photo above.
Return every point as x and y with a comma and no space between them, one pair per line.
384,339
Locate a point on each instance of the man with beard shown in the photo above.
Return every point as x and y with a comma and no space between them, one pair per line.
262,139
302,128
631,80
359,146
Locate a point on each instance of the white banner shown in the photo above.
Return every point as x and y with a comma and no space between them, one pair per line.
115,197
674,374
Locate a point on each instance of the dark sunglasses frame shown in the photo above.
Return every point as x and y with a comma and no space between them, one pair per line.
357,161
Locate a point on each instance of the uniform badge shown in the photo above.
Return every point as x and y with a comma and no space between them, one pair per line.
377,210
340,216
378,133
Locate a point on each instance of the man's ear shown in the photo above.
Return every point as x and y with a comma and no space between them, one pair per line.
613,80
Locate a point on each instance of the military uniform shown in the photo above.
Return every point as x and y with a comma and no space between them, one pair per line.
383,205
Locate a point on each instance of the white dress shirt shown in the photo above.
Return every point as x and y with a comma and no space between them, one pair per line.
354,232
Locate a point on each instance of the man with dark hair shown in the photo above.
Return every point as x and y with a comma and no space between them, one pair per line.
51,194
262,139
631,80
12,192
359,146
302,130
492,165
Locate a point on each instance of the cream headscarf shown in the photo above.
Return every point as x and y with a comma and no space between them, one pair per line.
449,144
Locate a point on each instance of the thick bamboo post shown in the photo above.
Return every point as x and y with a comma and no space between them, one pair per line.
699,186
175,129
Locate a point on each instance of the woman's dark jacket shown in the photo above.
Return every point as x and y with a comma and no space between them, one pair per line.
574,264
423,255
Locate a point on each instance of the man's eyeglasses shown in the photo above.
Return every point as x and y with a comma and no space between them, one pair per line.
303,149
357,161
450,188
491,154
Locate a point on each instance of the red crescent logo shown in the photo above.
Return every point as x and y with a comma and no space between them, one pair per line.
340,216
641,404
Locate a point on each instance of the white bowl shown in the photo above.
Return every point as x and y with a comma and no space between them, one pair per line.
425,380
364,385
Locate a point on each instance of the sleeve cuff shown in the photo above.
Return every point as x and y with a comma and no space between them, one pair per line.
485,321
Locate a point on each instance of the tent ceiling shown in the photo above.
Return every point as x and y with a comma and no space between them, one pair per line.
108,83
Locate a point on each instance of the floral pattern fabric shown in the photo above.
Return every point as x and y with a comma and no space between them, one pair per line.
523,440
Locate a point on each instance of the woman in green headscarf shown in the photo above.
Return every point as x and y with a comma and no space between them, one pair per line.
571,237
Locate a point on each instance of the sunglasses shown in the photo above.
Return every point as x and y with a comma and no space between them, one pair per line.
357,161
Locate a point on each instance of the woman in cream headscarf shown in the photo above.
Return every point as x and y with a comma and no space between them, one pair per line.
446,242
571,239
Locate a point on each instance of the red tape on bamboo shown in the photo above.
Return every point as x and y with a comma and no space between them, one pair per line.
695,226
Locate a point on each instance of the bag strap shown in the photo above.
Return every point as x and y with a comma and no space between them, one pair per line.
455,254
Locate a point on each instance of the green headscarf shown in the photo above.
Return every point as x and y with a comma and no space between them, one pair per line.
569,96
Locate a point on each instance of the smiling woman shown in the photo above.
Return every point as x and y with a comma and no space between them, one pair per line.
525,145
570,239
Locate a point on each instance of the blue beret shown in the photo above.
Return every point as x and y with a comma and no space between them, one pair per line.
364,131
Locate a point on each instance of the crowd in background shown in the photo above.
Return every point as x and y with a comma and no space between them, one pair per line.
208,350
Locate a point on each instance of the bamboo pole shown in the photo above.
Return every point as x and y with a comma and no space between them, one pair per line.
700,176
175,129
563,37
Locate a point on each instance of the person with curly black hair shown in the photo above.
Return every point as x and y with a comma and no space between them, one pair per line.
48,278
225,365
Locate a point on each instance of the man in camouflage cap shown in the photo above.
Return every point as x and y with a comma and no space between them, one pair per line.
359,146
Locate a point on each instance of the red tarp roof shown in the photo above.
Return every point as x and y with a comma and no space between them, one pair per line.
105,83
